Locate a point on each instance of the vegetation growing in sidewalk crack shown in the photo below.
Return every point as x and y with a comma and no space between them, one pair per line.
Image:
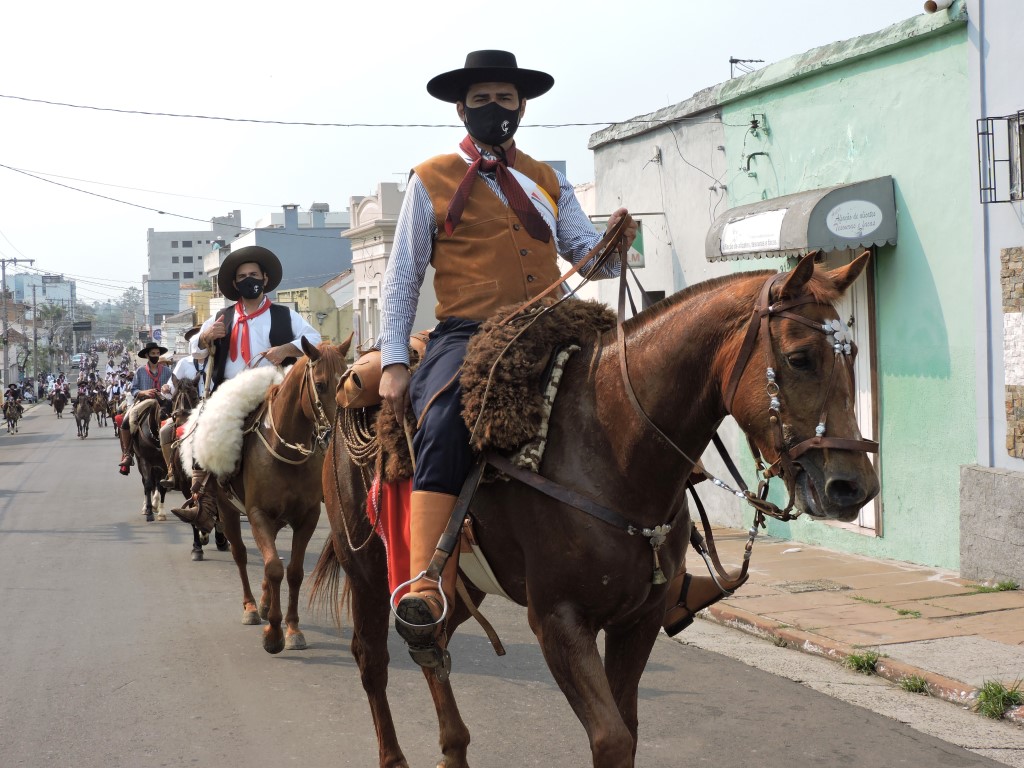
914,684
1002,586
908,612
780,642
862,662
866,600
994,698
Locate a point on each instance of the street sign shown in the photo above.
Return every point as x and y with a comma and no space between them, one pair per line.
81,326
53,279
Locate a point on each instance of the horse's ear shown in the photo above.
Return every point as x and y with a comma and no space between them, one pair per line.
310,350
844,276
797,279
175,380
344,346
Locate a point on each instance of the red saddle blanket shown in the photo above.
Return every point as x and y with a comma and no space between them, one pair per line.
391,521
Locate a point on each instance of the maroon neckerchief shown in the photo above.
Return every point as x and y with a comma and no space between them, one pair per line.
155,379
517,198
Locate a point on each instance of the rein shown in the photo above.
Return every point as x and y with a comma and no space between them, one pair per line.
322,426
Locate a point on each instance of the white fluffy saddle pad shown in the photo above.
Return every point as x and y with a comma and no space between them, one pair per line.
213,433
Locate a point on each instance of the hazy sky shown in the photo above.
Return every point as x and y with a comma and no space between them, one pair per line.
331,62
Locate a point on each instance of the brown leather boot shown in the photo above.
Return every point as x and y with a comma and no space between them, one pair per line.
418,614
199,510
688,594
126,451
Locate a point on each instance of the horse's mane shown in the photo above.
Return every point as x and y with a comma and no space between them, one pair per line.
820,286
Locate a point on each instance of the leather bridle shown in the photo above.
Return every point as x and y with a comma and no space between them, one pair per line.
785,464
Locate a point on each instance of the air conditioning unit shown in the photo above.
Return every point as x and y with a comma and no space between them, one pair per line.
1001,158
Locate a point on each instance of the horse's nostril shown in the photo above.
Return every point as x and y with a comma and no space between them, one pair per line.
843,492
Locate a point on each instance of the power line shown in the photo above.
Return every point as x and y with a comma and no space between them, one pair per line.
305,122
239,227
141,189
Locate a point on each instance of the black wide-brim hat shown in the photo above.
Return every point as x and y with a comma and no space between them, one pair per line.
268,261
150,346
192,331
489,67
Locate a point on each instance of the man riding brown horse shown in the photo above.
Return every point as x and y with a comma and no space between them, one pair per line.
252,332
149,380
492,221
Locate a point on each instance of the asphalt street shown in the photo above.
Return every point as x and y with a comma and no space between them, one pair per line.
120,651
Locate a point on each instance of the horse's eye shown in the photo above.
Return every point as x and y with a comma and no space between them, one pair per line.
799,361
321,388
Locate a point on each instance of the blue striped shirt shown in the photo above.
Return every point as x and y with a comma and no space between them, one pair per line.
414,241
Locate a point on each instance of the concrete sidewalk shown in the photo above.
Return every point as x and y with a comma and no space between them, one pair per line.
922,621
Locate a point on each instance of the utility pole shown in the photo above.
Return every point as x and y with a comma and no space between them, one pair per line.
3,291
35,338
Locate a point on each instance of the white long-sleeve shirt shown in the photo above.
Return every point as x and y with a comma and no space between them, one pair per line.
259,340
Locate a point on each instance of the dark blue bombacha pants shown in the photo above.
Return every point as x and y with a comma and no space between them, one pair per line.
443,456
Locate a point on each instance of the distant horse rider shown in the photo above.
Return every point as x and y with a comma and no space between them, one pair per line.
192,366
13,395
148,381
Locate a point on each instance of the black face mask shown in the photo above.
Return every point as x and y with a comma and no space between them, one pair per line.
154,359
250,287
492,124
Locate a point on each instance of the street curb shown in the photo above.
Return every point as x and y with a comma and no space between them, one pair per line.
938,686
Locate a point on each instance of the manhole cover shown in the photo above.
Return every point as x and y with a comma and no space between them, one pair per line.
817,585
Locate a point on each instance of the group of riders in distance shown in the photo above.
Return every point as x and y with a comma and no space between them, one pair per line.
94,394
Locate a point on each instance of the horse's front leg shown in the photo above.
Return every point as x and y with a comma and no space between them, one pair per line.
294,639
231,521
570,649
626,651
264,533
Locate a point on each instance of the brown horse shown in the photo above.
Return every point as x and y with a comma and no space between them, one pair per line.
279,484
59,400
100,406
82,410
12,413
145,443
578,575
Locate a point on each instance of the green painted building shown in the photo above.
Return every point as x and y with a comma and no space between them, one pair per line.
868,143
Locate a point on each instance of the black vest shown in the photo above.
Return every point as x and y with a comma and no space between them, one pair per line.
280,333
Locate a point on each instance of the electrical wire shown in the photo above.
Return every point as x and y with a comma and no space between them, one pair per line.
141,189
310,123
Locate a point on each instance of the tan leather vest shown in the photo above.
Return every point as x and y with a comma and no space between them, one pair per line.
489,260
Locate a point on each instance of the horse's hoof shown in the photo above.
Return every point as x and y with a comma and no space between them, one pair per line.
222,542
197,555
272,641
295,641
251,617
161,516
204,538
149,517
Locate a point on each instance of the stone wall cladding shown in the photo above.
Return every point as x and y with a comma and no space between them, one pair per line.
991,524
1011,276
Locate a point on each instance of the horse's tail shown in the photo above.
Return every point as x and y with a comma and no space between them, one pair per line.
326,576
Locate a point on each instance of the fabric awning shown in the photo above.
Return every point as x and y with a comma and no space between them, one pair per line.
856,215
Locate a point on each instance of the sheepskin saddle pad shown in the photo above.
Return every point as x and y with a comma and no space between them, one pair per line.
213,433
504,378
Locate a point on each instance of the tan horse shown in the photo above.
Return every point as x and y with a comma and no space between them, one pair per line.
279,484
690,366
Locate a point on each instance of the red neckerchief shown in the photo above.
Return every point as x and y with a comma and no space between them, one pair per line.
155,379
240,330
517,198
